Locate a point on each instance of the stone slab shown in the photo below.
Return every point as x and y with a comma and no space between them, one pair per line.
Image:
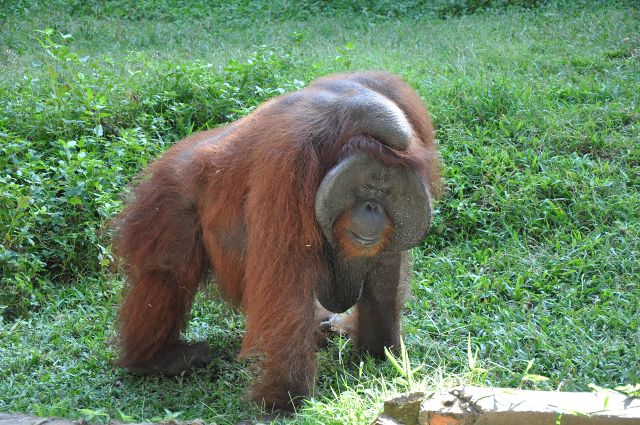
18,419
22,419
504,406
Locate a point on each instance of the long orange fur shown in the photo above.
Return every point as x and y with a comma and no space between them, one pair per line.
239,200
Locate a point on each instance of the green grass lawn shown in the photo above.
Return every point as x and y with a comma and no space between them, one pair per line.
531,268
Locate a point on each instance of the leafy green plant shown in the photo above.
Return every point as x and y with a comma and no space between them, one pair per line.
476,373
64,179
403,367
629,389
344,52
95,416
531,377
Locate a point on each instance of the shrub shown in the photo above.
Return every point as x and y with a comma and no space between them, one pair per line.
72,142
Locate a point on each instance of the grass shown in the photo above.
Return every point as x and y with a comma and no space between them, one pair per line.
534,255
